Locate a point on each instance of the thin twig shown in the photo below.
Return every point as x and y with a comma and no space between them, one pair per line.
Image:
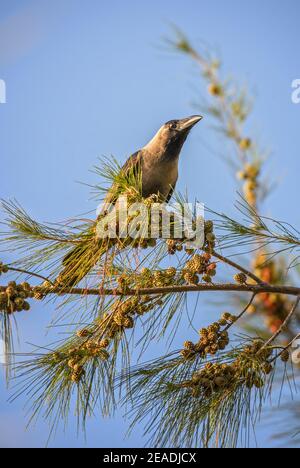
286,347
29,273
237,267
242,313
284,324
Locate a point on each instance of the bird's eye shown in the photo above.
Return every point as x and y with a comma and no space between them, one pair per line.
173,126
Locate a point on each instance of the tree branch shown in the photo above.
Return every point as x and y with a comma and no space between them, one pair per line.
251,288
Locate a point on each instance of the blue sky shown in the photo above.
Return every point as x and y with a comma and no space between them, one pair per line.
93,78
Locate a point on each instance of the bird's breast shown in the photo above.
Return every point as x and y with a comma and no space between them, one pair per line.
159,177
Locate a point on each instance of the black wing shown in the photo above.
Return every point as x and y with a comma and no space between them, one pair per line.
132,164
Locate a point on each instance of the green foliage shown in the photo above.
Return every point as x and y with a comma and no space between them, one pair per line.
176,412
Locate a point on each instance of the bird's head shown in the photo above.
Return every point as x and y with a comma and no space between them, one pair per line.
171,136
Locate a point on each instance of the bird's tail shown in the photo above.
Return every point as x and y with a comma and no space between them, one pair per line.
79,262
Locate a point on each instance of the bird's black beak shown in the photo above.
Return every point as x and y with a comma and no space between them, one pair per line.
189,122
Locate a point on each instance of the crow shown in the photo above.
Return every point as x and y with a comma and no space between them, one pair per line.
158,165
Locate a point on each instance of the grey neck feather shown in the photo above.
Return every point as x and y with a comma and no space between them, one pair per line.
166,150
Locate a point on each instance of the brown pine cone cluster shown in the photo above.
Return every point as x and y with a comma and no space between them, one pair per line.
124,312
248,369
210,238
147,278
199,265
108,327
83,333
285,355
254,353
255,348
211,379
123,315
77,370
214,338
13,297
240,278
174,246
3,268
95,348
78,356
